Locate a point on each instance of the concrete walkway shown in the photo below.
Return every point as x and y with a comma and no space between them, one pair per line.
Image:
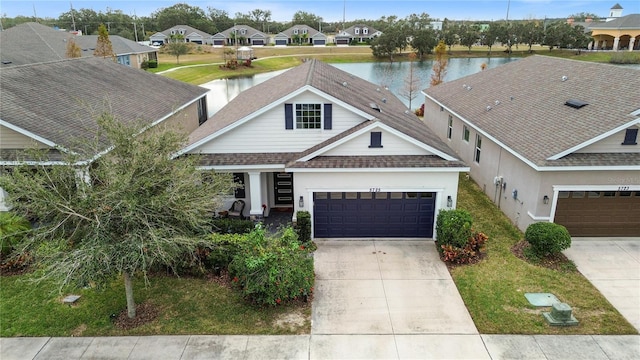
612,265
374,300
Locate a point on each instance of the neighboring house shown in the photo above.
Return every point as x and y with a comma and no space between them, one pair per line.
316,138
300,34
245,34
54,105
184,32
549,139
31,43
617,32
357,33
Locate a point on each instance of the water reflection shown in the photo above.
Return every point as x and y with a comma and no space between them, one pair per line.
391,75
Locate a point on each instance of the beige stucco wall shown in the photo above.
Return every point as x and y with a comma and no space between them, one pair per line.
531,185
10,139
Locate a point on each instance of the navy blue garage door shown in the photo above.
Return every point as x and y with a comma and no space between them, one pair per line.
378,214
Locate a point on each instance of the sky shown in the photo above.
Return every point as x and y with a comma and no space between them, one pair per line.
333,10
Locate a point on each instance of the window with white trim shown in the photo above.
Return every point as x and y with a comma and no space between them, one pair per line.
465,133
450,127
357,31
476,157
365,31
308,116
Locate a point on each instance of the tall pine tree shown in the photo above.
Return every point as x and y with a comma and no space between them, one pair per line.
103,47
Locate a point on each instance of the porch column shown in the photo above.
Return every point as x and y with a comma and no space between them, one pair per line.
631,42
256,195
615,43
596,42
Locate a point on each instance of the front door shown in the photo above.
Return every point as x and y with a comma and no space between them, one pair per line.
283,189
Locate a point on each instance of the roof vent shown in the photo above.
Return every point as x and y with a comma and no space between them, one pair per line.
469,87
565,78
345,84
576,104
488,107
6,62
511,98
374,106
384,100
497,102
378,89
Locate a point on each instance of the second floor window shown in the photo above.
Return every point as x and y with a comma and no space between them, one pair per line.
308,116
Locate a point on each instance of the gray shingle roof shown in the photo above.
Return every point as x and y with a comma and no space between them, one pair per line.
631,21
59,100
249,31
32,43
310,31
358,93
531,117
376,162
188,31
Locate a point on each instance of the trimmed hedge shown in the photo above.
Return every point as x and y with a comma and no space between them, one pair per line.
232,226
303,226
547,238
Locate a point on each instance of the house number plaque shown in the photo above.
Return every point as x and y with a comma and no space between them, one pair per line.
374,189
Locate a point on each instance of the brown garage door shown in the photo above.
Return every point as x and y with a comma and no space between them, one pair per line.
599,213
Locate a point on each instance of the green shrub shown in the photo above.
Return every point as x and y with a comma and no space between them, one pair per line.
222,249
547,238
232,226
453,227
273,270
144,65
153,64
466,254
12,229
303,226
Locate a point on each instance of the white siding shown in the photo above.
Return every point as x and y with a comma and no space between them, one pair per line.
611,144
10,139
267,132
391,145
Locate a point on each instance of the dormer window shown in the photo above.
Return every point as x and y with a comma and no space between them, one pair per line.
365,31
304,31
357,31
243,31
173,32
295,31
631,137
182,31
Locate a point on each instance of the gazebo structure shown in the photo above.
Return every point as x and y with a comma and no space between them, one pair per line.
244,53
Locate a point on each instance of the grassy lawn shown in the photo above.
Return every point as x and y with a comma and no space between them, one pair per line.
185,306
493,290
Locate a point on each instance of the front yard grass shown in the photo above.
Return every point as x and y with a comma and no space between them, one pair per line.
493,289
185,306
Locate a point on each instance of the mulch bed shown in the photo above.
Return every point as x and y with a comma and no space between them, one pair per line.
145,313
557,262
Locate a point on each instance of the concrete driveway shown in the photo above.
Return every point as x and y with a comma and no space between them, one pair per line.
612,265
385,288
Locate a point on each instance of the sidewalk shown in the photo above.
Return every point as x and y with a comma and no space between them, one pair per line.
442,346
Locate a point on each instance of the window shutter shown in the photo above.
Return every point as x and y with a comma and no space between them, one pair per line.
630,137
376,139
288,116
328,116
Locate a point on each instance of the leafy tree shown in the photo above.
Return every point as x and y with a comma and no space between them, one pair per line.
182,14
531,33
491,35
468,35
389,43
177,47
73,50
411,81
423,41
220,19
302,17
449,35
562,35
439,64
507,36
134,210
103,46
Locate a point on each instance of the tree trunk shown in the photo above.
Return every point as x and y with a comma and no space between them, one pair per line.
128,288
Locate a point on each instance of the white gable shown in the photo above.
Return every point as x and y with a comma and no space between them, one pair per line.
612,144
266,132
391,145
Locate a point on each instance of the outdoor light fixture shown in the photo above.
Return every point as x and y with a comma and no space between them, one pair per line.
301,202
449,201
545,199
